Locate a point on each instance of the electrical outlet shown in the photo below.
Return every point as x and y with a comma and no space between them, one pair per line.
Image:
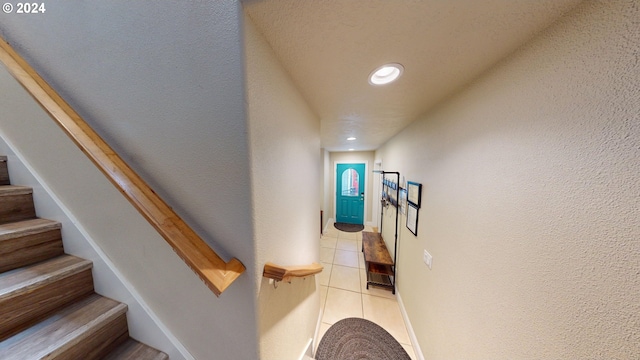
428,259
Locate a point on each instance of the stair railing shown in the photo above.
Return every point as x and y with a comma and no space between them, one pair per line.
206,263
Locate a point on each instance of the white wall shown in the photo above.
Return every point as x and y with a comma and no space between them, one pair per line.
107,281
286,175
164,85
531,200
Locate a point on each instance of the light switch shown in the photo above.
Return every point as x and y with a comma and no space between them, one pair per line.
428,259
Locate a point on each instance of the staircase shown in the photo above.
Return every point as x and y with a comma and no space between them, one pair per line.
48,308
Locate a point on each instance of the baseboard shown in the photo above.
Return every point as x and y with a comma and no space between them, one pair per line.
308,351
144,325
412,335
330,221
317,332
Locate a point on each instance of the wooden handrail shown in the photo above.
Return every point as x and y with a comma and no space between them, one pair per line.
286,273
212,269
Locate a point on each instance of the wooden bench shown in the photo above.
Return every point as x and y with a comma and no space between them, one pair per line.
379,266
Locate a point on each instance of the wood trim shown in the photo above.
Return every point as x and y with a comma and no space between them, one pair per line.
286,273
212,269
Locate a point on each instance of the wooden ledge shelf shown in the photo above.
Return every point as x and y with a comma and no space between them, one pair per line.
286,273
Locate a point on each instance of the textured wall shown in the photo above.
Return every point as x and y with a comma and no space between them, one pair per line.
286,175
327,203
164,86
531,200
107,280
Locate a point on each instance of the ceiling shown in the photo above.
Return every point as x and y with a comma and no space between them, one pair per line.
329,48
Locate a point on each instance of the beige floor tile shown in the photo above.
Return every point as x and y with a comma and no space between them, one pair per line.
341,304
361,260
344,244
323,295
345,258
343,291
343,277
374,290
368,228
409,350
386,313
327,254
328,242
331,231
325,275
347,235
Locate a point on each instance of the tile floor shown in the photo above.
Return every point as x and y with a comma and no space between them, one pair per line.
343,288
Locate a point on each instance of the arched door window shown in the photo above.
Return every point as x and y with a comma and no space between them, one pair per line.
350,183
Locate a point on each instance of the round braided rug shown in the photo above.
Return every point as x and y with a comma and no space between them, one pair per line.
359,339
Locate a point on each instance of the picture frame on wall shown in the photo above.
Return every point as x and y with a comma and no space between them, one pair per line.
414,193
412,219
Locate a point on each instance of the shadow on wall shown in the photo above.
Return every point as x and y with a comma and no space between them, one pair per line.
284,317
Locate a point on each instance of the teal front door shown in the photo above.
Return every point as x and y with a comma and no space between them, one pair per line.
350,193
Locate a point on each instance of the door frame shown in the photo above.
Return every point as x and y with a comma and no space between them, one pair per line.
335,188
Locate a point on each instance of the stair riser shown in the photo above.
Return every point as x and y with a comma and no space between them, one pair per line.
16,208
24,310
48,308
4,173
97,345
30,249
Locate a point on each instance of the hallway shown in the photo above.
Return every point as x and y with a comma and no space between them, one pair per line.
343,288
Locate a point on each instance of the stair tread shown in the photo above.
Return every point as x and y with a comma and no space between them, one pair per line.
26,227
26,278
7,190
134,350
26,242
88,328
62,330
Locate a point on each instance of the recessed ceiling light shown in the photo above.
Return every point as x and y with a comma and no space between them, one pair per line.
386,74
351,138
351,149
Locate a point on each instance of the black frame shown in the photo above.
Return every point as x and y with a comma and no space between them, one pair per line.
413,187
415,225
386,182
